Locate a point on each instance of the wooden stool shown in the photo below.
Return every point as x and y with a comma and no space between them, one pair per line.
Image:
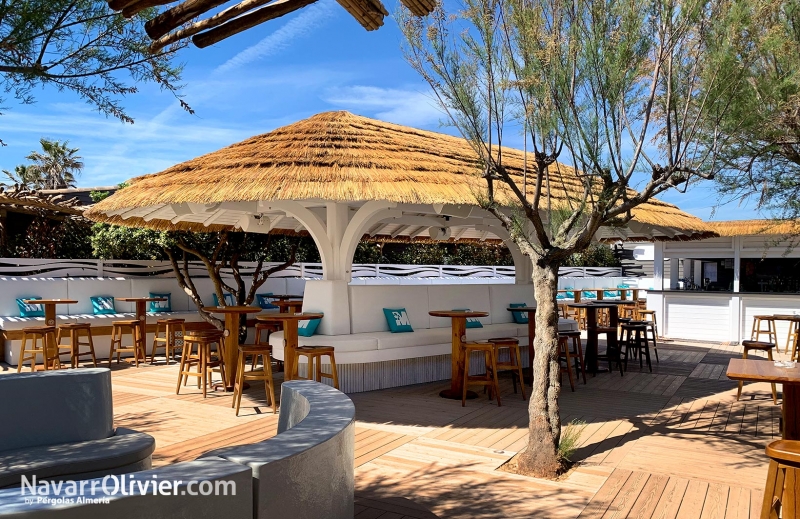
757,346
514,364
118,329
577,350
48,348
758,331
612,354
791,337
170,329
629,311
782,490
315,353
634,337
489,378
205,361
265,374
73,331
262,327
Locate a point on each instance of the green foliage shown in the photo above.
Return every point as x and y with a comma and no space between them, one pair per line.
55,167
46,238
98,196
570,436
594,256
81,46
119,242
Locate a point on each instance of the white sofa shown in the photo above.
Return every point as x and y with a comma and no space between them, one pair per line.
372,354
82,289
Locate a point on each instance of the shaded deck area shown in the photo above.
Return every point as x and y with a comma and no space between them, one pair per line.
671,444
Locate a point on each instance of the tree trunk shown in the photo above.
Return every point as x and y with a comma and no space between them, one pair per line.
541,458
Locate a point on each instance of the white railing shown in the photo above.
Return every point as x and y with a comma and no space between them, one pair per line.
60,268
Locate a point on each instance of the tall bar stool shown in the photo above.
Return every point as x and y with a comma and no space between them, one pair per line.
564,355
314,354
74,331
489,378
613,354
629,311
634,337
791,337
268,328
265,374
170,329
758,330
44,343
206,361
118,331
782,489
514,364
757,346
576,352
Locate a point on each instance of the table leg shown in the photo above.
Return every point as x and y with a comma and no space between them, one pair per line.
623,294
50,315
457,361
791,414
591,340
141,316
289,345
231,349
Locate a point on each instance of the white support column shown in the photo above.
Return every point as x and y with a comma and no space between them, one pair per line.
737,261
658,265
337,218
674,269
737,312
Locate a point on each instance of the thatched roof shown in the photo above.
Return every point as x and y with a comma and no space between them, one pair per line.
339,156
22,200
756,227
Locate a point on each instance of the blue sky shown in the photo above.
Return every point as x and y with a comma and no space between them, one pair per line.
315,60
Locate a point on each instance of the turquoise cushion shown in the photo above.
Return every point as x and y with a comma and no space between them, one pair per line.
308,327
397,319
229,300
623,286
589,294
570,295
161,306
610,293
265,302
472,322
26,310
519,317
561,296
103,305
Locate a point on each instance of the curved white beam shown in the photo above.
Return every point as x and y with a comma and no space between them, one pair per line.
367,215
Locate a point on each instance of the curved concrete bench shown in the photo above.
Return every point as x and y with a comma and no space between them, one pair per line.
307,470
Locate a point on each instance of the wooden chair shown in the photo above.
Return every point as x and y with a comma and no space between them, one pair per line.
489,378
782,489
757,346
170,329
204,359
757,330
514,364
48,348
576,352
314,354
265,374
118,331
74,331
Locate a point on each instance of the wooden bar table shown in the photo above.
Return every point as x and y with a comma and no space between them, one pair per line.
592,330
231,336
283,297
289,306
141,314
459,323
531,311
50,307
750,370
289,322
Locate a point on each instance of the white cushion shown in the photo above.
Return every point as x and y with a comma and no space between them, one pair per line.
46,288
342,343
451,297
368,301
503,295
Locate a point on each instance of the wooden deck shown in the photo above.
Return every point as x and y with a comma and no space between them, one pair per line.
669,444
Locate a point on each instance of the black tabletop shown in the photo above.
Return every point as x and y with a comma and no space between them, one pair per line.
599,304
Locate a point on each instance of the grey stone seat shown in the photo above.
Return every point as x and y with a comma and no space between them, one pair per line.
124,452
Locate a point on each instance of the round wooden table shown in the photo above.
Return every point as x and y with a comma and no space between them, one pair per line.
141,314
531,311
459,323
289,306
50,307
232,315
592,333
289,322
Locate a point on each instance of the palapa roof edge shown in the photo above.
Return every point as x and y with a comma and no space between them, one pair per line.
766,227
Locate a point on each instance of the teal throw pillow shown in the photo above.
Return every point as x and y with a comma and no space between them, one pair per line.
265,301
103,305
161,306
519,317
308,327
472,322
397,319
229,300
610,293
26,310
570,295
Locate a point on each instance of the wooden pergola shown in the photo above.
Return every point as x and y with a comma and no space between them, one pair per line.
191,18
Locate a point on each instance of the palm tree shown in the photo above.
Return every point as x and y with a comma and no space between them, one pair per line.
25,176
56,165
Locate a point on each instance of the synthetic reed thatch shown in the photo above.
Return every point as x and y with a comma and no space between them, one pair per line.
756,227
339,156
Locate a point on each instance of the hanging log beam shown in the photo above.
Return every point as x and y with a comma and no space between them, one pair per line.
247,21
420,7
132,8
209,23
180,14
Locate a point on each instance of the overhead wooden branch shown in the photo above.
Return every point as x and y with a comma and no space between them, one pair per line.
130,8
175,16
242,23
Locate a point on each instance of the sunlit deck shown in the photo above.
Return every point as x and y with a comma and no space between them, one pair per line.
674,443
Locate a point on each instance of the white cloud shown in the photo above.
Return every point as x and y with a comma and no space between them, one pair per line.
307,21
402,106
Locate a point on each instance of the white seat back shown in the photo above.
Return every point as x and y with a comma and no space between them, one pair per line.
503,295
451,297
368,301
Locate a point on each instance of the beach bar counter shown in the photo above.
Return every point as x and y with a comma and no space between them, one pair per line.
711,289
